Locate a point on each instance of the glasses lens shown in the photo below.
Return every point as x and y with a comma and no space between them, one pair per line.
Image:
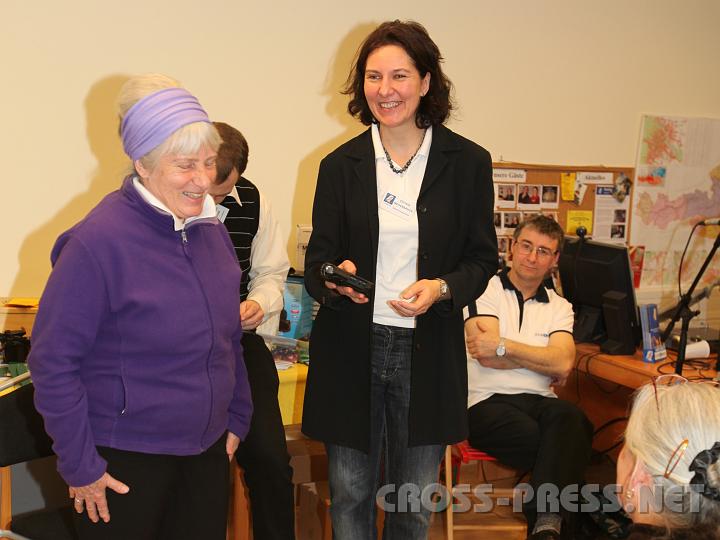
671,379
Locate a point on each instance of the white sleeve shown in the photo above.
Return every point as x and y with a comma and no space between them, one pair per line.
563,318
488,302
269,263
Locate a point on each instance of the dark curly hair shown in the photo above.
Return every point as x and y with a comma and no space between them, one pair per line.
437,103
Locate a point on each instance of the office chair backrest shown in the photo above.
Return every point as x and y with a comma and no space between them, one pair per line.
22,432
23,438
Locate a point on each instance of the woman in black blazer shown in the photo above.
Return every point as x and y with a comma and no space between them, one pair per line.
408,204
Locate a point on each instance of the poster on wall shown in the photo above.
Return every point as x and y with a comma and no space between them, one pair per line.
677,184
611,216
577,219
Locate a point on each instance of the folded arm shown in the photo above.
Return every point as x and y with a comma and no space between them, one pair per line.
554,360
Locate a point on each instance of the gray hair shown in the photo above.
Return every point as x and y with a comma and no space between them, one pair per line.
186,140
656,429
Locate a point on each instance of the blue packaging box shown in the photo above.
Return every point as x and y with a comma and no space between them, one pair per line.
298,308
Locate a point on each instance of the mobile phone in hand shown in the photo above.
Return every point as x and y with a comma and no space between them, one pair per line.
338,276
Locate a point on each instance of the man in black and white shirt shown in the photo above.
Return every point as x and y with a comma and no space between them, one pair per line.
260,250
520,343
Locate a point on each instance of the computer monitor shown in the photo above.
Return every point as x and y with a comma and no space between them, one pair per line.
597,279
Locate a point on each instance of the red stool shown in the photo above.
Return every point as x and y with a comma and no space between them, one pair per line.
455,456
464,453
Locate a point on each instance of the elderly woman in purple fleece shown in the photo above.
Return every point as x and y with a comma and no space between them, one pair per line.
136,356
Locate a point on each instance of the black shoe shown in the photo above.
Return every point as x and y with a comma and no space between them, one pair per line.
548,534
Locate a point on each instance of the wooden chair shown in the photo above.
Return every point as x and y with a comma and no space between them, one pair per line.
457,455
309,463
22,439
239,522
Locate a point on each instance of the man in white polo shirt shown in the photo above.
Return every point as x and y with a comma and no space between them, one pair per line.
520,343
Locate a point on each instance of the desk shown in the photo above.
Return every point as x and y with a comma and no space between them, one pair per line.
14,318
602,385
629,371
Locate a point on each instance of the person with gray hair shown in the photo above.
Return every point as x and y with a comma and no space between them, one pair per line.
668,469
136,356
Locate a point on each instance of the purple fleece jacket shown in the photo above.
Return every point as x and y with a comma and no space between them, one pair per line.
136,344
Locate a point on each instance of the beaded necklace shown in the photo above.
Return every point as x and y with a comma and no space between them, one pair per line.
409,161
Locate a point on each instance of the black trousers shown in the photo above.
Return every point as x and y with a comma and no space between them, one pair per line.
550,437
263,454
170,497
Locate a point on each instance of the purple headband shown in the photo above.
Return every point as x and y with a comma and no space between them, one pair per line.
157,116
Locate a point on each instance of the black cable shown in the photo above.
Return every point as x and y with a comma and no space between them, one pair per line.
578,359
608,450
577,385
670,364
610,423
682,258
595,379
614,446
698,365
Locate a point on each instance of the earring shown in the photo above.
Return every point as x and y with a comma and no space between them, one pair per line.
629,494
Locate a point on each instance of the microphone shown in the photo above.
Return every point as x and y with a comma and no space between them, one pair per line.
711,221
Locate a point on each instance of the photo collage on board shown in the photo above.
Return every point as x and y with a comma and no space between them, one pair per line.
515,201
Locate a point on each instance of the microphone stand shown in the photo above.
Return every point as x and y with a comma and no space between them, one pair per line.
707,291
684,312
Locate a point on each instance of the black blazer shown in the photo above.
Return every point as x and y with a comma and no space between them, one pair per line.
456,242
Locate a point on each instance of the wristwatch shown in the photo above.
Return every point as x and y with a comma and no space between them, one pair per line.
444,289
500,351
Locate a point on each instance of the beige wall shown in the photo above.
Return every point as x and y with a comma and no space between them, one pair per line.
561,81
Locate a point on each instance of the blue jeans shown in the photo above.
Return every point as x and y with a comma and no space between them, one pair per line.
355,476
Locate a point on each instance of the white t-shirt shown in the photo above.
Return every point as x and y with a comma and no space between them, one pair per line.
531,322
396,267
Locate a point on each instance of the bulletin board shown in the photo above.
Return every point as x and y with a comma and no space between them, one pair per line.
591,186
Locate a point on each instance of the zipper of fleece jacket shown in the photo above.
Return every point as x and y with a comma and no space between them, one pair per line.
188,256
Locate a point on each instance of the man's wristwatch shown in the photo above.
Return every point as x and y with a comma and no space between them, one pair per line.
444,289
500,351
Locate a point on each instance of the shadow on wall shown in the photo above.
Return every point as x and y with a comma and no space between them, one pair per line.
337,109
102,134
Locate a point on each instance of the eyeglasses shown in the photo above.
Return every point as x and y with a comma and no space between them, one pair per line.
673,379
526,248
